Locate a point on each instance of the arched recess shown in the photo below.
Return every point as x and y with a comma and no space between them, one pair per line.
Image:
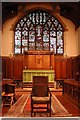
51,24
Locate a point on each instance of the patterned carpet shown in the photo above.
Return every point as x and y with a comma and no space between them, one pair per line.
22,108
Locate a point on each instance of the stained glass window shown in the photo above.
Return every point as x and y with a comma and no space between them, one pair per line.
38,30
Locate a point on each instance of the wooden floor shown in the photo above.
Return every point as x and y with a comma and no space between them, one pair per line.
67,103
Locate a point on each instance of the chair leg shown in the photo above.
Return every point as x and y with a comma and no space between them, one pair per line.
50,112
33,114
31,110
50,109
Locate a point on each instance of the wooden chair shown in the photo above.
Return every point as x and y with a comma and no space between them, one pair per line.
40,96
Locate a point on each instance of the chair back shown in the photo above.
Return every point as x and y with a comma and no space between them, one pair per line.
40,86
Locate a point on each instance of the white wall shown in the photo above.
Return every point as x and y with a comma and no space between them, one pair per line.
70,38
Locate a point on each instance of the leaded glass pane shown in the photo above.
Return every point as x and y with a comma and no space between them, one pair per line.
44,17
37,18
17,46
59,35
53,41
46,27
59,50
33,18
39,33
53,44
49,23
40,18
30,16
31,46
17,41
25,27
31,27
25,19
28,22
24,33
24,40
24,43
18,27
52,33
59,42
46,36
55,23
21,23
59,27
39,46
45,46
31,36
17,35
52,27
53,19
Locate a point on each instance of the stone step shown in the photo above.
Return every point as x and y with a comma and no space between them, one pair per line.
29,85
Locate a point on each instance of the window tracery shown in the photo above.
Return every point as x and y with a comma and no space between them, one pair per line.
38,30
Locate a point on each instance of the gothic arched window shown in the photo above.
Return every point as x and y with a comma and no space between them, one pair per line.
38,30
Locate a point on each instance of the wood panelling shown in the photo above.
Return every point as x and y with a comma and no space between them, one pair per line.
60,67
46,61
31,61
64,67
72,89
18,67
39,62
6,64
52,61
64,60
12,67
57,68
72,66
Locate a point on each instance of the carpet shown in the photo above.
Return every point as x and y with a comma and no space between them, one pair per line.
22,108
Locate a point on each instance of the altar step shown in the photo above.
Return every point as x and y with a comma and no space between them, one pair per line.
29,85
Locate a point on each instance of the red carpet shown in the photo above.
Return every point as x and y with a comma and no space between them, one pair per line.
27,106
57,109
22,108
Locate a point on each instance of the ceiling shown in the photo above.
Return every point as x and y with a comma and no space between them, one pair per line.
70,10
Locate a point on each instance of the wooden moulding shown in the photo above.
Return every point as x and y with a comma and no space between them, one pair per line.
38,52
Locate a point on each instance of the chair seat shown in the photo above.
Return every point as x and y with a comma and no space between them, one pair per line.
44,99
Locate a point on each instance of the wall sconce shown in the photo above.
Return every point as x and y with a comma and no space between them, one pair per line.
25,67
51,67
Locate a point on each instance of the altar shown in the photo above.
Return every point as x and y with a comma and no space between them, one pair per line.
28,74
38,63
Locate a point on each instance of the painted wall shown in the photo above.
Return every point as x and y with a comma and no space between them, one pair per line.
70,39
79,41
0,42
70,36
